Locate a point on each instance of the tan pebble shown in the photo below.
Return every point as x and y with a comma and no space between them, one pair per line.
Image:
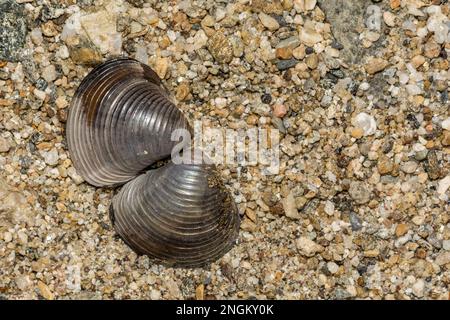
375,65
4,145
385,165
312,61
307,247
183,91
250,214
6,103
283,53
252,119
49,29
268,22
401,229
418,100
432,49
61,102
290,208
357,133
373,204
39,94
208,21
164,43
44,146
372,253
421,253
429,145
248,225
279,110
220,47
389,19
7,236
60,206
299,52
417,61
45,291
85,56
162,64
395,4
446,139
200,292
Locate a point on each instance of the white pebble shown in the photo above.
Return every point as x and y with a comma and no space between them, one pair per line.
332,267
418,288
7,237
51,157
39,94
36,36
365,122
329,208
220,102
444,184
446,245
49,73
72,173
446,124
63,52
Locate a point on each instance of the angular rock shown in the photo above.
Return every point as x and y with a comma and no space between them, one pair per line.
307,247
101,30
290,208
220,47
375,65
347,18
13,30
268,22
360,192
310,37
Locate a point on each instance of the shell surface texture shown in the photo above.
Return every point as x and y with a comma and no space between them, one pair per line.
120,122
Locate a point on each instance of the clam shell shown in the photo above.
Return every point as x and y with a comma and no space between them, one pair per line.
120,121
180,215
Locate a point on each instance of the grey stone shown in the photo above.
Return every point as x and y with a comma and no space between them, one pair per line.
13,30
345,17
286,64
355,221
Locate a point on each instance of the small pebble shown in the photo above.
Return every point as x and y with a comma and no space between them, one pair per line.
365,122
269,22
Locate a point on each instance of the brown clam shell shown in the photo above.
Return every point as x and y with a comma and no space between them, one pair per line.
180,215
120,121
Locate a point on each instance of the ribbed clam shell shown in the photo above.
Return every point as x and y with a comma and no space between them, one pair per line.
180,215
120,121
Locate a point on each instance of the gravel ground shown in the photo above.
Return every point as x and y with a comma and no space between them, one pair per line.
359,90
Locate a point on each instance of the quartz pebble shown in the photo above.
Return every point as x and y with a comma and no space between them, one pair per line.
418,288
332,267
446,124
443,185
49,73
51,157
365,122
